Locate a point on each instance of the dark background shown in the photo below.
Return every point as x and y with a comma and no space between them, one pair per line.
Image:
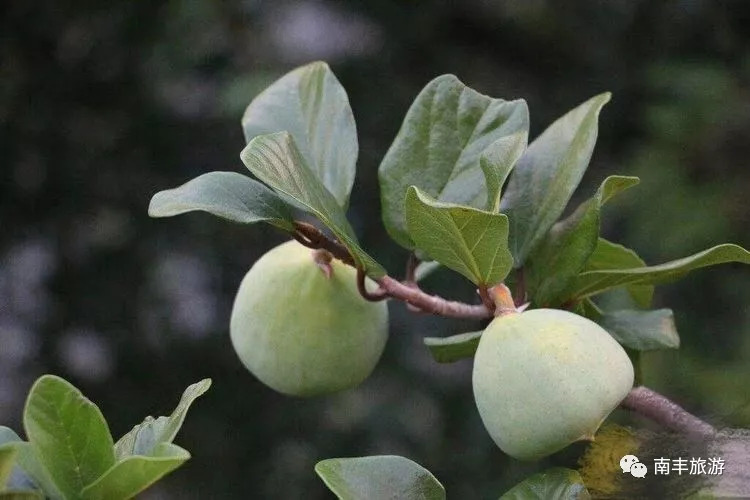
104,103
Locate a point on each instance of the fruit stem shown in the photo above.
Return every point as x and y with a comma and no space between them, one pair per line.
323,260
658,408
312,237
502,298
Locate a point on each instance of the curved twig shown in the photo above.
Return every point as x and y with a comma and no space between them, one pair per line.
371,296
312,237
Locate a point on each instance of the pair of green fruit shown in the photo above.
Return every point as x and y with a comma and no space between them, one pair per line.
542,378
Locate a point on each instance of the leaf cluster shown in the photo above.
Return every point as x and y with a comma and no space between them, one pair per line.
461,187
70,454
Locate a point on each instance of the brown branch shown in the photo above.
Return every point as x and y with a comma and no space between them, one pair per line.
431,303
656,407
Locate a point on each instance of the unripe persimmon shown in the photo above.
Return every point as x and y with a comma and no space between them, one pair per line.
303,332
546,378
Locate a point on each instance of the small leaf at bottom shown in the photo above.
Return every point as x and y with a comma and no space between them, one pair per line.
379,478
553,484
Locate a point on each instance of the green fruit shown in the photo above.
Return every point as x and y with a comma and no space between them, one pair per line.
546,378
303,333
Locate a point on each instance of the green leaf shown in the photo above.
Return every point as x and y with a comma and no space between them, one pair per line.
468,240
275,160
556,483
20,495
379,477
608,255
8,435
566,248
68,434
642,330
16,478
228,195
453,348
142,438
313,107
593,282
7,461
438,149
135,473
547,174
498,160
33,473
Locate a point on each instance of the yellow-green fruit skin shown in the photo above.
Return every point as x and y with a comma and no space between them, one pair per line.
302,333
546,378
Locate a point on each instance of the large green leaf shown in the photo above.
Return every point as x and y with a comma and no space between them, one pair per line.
566,248
608,255
439,146
547,174
133,474
7,462
228,195
142,438
593,282
642,330
313,107
275,160
468,240
556,483
379,477
453,348
68,434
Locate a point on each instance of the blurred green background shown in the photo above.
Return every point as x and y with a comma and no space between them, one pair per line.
104,103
